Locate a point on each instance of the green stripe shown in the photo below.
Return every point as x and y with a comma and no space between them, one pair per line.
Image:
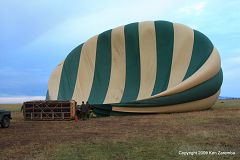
202,48
116,113
132,82
102,69
106,107
164,39
204,90
104,113
69,74
47,95
101,113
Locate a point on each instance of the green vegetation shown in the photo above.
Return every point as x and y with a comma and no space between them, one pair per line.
132,149
139,149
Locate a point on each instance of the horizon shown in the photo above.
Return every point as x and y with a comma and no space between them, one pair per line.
36,36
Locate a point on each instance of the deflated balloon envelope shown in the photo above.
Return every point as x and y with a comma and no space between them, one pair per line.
145,67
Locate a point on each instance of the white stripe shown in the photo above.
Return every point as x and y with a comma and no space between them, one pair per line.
148,58
209,69
184,107
85,70
182,52
54,82
118,68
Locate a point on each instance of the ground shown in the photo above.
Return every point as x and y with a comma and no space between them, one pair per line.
156,136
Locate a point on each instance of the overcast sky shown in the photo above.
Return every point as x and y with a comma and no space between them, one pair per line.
36,35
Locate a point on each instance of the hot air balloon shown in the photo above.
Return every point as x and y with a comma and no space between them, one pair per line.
144,67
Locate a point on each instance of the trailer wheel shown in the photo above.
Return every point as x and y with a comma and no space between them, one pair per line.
5,122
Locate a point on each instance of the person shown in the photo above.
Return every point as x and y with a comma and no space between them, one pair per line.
85,110
88,108
78,111
82,104
82,109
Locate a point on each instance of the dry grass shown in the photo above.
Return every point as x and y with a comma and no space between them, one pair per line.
228,103
11,107
158,136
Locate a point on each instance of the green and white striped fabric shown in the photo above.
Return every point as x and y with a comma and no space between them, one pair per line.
145,67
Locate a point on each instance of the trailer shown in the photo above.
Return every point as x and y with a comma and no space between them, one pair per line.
49,110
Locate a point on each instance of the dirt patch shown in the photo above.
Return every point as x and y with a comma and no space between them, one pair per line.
29,138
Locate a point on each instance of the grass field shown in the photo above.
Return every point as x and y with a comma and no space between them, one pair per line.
11,107
157,136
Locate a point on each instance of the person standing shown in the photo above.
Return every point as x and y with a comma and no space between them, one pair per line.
78,111
88,108
82,109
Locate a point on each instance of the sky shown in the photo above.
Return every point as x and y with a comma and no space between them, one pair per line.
35,36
